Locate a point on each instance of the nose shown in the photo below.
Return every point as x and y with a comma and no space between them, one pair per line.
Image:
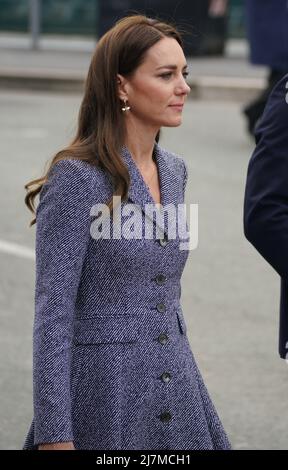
188,89
183,87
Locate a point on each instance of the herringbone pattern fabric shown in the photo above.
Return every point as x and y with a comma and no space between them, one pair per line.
112,364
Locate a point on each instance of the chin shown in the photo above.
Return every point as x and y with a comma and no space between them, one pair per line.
173,124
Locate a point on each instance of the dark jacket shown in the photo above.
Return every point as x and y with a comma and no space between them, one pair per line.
267,25
266,196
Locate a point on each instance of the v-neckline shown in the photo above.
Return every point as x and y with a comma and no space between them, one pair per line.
155,157
169,181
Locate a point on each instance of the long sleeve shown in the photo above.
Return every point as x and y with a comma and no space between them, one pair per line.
62,235
266,193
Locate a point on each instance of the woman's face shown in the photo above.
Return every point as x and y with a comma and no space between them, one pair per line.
157,85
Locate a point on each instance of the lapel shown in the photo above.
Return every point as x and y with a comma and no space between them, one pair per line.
139,192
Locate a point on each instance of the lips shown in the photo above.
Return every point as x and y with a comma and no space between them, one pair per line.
178,107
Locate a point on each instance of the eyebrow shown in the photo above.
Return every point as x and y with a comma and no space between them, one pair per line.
171,66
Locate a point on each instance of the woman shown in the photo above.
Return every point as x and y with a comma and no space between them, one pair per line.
113,368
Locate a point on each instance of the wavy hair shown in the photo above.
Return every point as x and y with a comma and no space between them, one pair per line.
101,127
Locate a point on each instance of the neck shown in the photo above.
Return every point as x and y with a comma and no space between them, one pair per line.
141,145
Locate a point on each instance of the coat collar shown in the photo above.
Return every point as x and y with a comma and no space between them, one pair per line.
139,192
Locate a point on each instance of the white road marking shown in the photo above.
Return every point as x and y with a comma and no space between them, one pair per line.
16,250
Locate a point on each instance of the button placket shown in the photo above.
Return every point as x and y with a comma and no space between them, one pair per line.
163,337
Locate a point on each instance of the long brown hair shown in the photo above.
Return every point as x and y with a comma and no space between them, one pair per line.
101,128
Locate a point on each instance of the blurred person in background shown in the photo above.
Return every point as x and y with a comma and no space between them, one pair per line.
267,33
214,34
203,22
267,29
218,7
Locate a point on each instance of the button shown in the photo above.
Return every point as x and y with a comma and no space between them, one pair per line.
160,279
163,241
161,307
166,377
165,416
162,338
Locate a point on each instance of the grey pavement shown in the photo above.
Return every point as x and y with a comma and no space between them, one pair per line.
230,296
61,64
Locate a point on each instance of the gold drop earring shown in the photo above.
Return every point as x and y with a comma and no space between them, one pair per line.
126,108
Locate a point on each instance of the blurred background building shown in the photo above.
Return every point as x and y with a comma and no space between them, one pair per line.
91,18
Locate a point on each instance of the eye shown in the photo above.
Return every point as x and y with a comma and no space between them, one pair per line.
168,75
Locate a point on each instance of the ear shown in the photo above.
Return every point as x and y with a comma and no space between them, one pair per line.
122,86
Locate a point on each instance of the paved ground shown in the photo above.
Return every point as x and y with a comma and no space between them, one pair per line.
230,295
15,52
62,63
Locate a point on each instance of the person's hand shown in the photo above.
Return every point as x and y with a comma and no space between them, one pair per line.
218,7
57,446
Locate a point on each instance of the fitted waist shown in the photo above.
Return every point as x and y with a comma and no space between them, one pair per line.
136,308
148,326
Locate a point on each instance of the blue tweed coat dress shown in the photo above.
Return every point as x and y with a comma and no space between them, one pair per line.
112,364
